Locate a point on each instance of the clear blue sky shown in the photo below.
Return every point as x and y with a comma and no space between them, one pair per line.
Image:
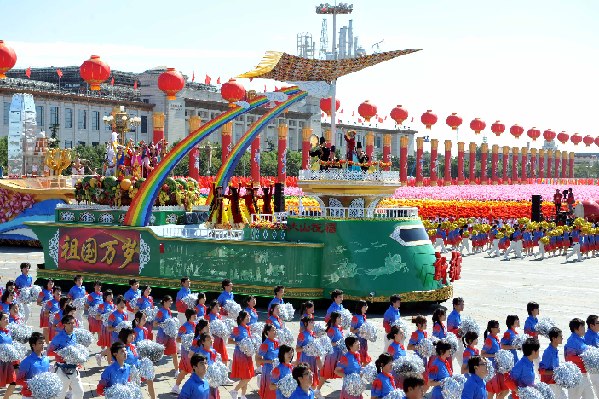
529,62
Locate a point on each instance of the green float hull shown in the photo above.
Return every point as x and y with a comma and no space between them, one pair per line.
312,257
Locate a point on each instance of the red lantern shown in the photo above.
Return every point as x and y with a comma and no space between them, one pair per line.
477,125
94,71
8,59
588,140
516,130
563,137
171,82
232,92
549,135
576,139
453,121
533,133
367,110
428,119
597,141
498,128
325,105
398,114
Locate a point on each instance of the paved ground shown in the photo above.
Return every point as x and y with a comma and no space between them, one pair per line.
491,288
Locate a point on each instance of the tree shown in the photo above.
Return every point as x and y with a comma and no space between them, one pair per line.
54,142
93,156
4,152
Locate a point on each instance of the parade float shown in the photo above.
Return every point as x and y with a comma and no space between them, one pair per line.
345,240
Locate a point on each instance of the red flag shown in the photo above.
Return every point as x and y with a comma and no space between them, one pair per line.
112,81
353,113
265,88
59,73
341,111
322,114
380,120
135,85
276,88
193,76
251,79
207,80
28,72
359,120
412,119
218,81
385,117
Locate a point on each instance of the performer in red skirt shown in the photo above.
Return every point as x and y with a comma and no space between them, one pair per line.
106,307
243,365
335,333
170,346
219,343
42,299
94,299
268,352
185,365
7,370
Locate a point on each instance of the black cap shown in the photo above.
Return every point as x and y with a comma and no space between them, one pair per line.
359,144
322,140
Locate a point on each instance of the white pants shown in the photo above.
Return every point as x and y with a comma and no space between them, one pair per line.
460,353
583,390
26,312
558,391
73,382
440,243
495,248
575,251
595,381
541,249
465,244
79,316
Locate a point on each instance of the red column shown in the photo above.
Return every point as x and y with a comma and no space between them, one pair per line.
564,164
506,157
255,160
460,163
158,122
369,145
494,162
306,134
533,163
571,165
557,156
484,149
549,163
447,175
524,162
387,150
472,165
419,151
433,167
515,165
282,153
541,164
194,154
226,140
403,160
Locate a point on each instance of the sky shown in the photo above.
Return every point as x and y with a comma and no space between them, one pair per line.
532,62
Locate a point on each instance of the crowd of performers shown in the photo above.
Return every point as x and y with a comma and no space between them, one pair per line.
234,215
455,361
325,157
519,238
133,159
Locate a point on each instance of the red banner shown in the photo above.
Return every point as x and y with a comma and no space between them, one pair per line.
99,250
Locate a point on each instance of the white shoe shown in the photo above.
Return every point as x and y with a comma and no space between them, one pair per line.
176,390
234,394
99,359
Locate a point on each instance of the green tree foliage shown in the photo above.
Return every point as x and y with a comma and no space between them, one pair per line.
93,158
4,152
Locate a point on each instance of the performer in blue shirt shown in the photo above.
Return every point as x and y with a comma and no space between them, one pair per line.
131,296
33,364
572,351
179,304
413,387
384,382
68,373
512,322
118,372
226,295
591,338
336,306
250,308
303,375
523,373
550,362
278,299
475,388
532,308
196,387
24,281
454,319
391,315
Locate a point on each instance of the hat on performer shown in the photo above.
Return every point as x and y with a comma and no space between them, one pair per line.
322,140
359,145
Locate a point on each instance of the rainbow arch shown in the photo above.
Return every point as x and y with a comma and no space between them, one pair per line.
227,169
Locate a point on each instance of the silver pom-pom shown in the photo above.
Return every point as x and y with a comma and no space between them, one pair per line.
79,303
395,394
353,385
34,293
341,346
425,348
275,363
287,385
45,385
468,325
285,337
186,341
171,327
368,331
146,369
232,308
409,364
248,346
24,296
134,376
83,336
219,329
519,340
94,311
257,328
346,318
217,374
326,345
452,340
150,312
231,324
401,324
504,360
190,300
590,358
22,350
544,325
122,391
150,349
104,317
286,311
313,348
320,329
74,354
368,373
529,393
545,390
19,332
567,375
490,371
124,324
9,353
451,388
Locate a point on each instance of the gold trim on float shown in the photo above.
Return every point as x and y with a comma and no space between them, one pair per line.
442,294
